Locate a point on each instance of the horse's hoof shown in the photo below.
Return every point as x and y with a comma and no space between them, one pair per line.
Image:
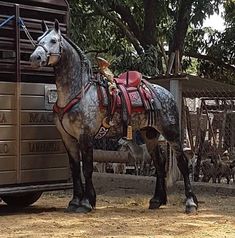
83,209
71,209
154,204
84,206
191,210
73,205
191,206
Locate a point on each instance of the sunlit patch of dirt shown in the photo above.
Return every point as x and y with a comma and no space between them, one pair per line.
121,215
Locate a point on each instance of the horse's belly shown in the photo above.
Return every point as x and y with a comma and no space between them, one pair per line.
138,121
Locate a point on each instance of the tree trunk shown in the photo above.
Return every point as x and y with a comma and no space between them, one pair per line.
181,27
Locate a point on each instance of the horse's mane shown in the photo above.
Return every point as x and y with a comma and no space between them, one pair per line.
83,57
85,62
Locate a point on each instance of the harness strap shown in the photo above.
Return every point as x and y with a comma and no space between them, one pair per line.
126,98
41,45
62,110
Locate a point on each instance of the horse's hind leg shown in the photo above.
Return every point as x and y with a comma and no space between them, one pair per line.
160,197
171,133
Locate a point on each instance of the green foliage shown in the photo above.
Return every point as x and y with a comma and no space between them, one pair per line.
112,27
218,45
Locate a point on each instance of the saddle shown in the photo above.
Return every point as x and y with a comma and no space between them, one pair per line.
129,94
134,94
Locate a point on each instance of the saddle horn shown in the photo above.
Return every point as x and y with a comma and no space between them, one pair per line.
104,68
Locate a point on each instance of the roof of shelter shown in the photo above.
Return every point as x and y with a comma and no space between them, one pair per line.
195,86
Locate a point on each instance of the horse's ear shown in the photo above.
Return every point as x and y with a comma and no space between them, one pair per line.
57,26
44,26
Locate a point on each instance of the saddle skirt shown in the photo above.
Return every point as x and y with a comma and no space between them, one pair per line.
133,94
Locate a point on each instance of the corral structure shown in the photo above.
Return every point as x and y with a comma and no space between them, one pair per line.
207,116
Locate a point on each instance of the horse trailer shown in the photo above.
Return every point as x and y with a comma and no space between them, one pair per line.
32,155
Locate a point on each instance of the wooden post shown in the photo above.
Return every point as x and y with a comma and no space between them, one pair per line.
170,64
202,137
189,127
177,62
176,90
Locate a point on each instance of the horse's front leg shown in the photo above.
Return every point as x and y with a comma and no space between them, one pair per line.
71,146
89,199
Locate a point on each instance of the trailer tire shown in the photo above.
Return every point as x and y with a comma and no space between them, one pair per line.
21,199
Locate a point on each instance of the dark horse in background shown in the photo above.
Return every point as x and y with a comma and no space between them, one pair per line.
78,118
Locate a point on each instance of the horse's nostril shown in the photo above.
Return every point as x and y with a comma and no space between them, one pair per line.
38,57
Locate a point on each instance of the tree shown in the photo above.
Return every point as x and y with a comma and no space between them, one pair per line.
135,33
217,49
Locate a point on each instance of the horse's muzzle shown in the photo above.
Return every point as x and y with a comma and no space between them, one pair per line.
37,59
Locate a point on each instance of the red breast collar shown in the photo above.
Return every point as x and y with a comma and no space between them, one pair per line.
62,110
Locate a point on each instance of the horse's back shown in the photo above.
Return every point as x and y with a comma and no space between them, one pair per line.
164,101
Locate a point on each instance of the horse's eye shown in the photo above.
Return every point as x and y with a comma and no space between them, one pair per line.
53,41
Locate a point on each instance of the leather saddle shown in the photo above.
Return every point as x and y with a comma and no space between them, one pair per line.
129,79
132,95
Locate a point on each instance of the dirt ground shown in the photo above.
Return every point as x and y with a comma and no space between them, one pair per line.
119,214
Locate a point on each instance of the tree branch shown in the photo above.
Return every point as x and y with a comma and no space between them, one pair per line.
127,17
119,23
217,61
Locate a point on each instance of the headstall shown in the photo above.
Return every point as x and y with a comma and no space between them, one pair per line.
50,55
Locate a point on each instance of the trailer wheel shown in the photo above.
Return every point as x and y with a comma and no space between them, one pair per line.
21,199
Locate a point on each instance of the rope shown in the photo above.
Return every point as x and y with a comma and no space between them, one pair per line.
21,22
6,21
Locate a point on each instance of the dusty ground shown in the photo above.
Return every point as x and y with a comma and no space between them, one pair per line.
121,215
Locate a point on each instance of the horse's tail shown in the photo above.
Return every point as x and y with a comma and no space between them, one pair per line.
172,171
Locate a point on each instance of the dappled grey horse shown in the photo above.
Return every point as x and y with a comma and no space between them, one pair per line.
78,118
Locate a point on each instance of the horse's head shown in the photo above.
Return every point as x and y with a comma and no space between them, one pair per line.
48,48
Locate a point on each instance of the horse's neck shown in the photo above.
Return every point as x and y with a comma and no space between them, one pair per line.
70,77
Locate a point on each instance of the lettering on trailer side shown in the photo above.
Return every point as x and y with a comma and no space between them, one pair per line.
37,147
35,117
3,118
4,148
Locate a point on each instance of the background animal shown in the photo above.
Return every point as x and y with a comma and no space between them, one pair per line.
216,169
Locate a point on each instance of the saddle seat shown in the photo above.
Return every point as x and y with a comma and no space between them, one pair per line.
129,79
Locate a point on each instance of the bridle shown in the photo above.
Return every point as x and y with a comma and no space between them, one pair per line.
51,55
